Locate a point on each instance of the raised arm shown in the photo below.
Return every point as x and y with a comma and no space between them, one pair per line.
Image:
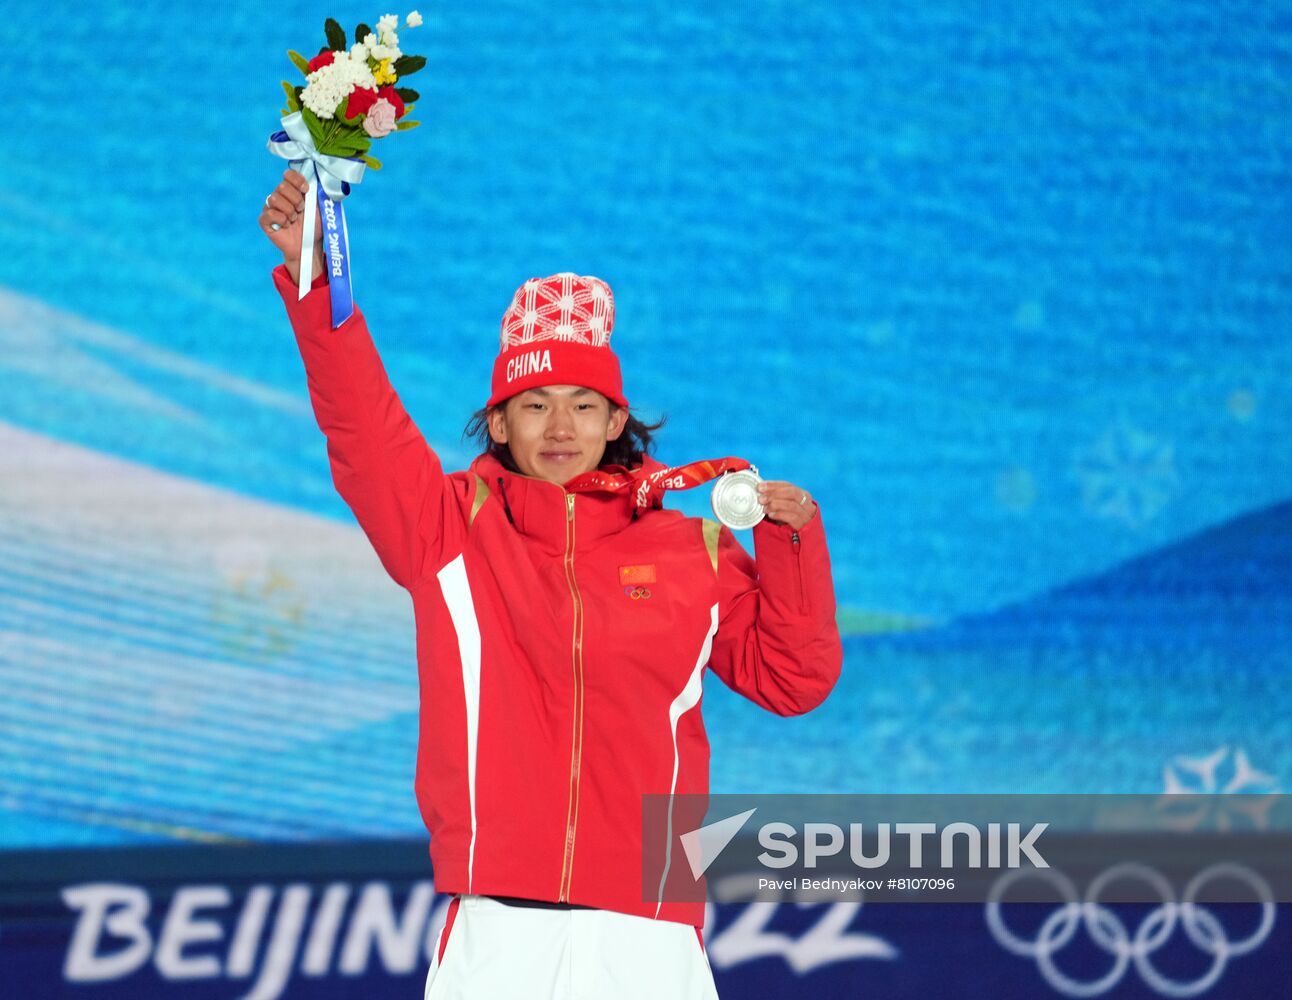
381,465
777,641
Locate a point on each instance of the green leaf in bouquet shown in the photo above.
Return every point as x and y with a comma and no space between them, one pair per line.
361,32
407,94
293,102
352,142
348,142
314,125
345,152
335,36
402,126
372,161
299,61
406,65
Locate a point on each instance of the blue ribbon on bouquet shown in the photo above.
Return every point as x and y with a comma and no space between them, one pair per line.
330,178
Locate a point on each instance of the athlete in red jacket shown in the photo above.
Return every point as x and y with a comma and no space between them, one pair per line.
563,629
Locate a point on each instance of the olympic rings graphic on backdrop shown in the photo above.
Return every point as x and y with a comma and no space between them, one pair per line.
1109,933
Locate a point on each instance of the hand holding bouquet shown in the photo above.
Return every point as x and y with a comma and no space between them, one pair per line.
348,101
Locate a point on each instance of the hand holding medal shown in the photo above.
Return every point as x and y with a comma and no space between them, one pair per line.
741,499
786,503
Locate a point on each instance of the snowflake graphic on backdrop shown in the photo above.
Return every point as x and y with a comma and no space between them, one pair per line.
1127,474
1221,772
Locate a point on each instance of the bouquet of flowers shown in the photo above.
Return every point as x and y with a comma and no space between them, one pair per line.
349,99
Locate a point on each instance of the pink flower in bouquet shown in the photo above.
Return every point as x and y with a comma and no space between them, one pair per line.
392,98
380,119
321,60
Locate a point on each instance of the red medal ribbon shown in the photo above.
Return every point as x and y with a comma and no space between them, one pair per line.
647,487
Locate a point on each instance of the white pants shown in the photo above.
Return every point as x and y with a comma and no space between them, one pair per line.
494,951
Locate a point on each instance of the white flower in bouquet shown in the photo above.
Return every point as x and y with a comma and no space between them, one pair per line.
413,19
329,85
387,22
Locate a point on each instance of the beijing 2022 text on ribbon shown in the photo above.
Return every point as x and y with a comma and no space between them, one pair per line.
735,499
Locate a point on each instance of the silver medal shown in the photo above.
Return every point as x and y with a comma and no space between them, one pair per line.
735,499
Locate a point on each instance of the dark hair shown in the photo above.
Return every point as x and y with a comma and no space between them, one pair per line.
637,439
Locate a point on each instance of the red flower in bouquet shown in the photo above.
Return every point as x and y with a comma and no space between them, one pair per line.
361,100
397,102
324,58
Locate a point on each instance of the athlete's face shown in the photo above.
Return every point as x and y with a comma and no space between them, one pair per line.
557,431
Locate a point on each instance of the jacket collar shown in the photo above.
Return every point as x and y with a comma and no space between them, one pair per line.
539,509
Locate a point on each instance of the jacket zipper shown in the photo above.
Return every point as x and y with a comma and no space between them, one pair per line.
798,570
576,743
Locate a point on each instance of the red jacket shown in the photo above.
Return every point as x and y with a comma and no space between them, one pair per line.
552,698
